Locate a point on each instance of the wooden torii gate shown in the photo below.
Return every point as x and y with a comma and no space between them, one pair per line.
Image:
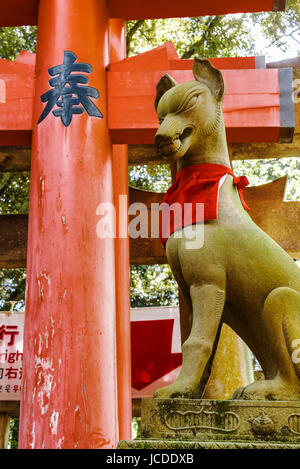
77,281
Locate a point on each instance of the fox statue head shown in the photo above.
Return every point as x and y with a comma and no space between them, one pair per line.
190,113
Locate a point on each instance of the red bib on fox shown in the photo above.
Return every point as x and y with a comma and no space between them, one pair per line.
194,185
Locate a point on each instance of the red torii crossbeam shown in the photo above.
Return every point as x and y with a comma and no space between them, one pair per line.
25,12
258,105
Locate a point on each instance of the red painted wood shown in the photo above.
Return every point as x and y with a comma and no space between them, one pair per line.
22,12
223,63
155,59
69,395
165,57
16,100
136,9
117,45
19,12
251,106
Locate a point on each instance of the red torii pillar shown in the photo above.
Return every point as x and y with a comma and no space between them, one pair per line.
69,395
120,180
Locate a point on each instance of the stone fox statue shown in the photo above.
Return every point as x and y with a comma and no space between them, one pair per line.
239,275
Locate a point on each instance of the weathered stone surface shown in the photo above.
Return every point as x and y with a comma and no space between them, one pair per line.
189,445
221,421
232,367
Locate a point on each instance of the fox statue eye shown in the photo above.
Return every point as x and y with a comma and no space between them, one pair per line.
192,102
188,102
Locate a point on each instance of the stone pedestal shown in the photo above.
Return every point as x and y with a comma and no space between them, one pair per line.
228,424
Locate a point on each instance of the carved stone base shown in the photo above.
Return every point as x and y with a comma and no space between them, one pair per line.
204,423
193,445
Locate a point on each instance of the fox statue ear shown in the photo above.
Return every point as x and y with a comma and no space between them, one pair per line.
165,83
212,77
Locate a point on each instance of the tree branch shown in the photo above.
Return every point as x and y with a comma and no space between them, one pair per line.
278,39
129,36
207,28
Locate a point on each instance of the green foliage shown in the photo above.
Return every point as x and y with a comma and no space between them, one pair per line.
281,26
13,40
152,285
12,288
13,434
211,36
263,171
218,36
156,178
14,199
14,193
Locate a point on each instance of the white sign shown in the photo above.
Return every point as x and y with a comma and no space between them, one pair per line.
11,355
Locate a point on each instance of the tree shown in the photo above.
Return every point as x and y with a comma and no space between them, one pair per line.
13,434
263,171
216,36
14,40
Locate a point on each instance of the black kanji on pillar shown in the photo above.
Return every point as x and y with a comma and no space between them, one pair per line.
69,91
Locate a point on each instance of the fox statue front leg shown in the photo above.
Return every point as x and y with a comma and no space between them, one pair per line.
208,303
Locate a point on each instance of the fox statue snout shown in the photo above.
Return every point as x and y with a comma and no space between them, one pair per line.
171,140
